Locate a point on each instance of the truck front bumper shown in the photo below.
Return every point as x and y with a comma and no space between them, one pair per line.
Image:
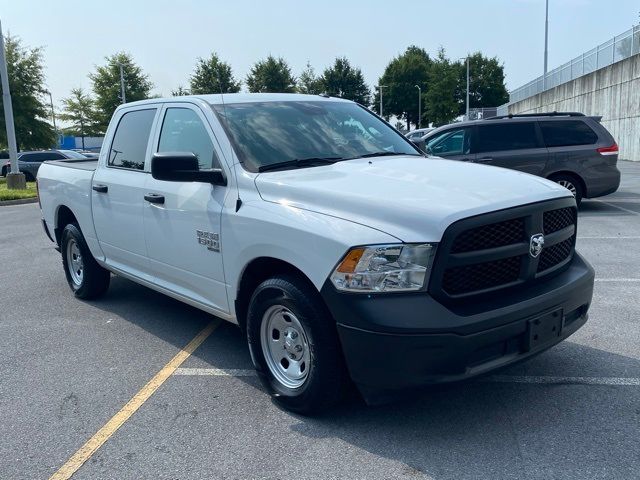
395,341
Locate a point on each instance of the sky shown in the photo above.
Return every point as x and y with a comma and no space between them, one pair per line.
166,37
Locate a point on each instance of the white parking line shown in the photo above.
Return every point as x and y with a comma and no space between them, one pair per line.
563,380
618,207
231,372
617,279
216,372
619,237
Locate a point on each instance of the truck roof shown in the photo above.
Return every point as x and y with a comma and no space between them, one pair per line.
216,98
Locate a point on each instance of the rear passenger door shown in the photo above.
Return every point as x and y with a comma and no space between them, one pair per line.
571,144
513,144
452,144
118,190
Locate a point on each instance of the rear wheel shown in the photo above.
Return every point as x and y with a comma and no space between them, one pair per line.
571,183
294,345
86,278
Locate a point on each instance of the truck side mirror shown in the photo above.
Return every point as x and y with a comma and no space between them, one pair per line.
183,167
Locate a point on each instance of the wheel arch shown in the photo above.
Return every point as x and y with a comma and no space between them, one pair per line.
569,173
64,216
254,273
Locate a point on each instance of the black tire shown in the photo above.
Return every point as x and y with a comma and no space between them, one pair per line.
571,182
326,377
93,280
28,177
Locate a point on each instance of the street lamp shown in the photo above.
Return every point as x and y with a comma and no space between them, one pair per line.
380,87
546,44
122,95
53,112
466,59
419,105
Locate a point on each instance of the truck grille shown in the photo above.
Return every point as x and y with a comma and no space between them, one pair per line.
491,252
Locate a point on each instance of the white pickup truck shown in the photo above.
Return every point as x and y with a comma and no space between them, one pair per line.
342,252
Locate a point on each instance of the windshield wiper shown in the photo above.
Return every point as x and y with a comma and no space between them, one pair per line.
299,163
384,154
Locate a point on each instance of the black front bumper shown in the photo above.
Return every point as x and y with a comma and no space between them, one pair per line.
395,341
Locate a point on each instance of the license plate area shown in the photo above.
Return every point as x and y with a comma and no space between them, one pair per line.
543,329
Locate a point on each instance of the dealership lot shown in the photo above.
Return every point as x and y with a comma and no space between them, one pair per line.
69,366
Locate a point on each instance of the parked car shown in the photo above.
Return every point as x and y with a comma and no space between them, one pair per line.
341,252
29,162
418,133
569,148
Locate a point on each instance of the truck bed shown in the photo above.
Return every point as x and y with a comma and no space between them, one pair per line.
89,164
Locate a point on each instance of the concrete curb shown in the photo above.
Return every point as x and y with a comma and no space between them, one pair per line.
20,201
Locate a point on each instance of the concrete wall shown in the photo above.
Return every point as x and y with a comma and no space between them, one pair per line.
613,92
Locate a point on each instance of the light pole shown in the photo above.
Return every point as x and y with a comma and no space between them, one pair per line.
122,95
467,109
419,105
53,112
380,87
546,45
15,179
466,59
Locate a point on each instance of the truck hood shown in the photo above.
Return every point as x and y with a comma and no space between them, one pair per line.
411,198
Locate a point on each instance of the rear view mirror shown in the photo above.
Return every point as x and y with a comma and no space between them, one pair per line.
183,167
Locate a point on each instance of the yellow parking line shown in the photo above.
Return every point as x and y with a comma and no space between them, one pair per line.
94,443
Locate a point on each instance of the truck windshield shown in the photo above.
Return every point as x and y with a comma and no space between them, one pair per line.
269,133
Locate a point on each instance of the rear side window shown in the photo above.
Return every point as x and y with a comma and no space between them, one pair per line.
567,132
183,131
130,141
506,136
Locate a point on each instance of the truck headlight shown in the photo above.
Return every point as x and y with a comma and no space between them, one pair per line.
385,268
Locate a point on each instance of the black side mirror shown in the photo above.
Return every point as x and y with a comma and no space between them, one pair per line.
421,144
183,167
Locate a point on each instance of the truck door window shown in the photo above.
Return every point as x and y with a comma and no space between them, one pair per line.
183,131
129,145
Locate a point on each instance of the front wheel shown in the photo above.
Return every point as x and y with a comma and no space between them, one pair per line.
86,278
294,345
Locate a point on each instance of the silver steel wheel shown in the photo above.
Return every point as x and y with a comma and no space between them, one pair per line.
285,346
75,264
568,185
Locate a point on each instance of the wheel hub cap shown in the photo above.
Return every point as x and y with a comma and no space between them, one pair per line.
75,263
285,346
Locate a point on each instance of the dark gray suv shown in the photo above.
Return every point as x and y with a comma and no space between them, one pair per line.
569,148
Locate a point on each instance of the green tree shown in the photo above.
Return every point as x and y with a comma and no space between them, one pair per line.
106,85
212,75
271,75
25,70
400,77
441,102
180,92
309,82
344,81
79,110
486,83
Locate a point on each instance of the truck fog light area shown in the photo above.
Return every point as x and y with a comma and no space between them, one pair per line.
385,268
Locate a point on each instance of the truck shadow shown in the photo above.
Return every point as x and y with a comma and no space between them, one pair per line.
476,429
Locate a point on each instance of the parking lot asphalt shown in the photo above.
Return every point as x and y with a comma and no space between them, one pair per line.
68,366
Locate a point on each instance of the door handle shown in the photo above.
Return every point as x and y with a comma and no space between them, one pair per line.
100,188
154,198
485,159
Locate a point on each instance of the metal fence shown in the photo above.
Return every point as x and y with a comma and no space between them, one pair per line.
479,113
616,49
